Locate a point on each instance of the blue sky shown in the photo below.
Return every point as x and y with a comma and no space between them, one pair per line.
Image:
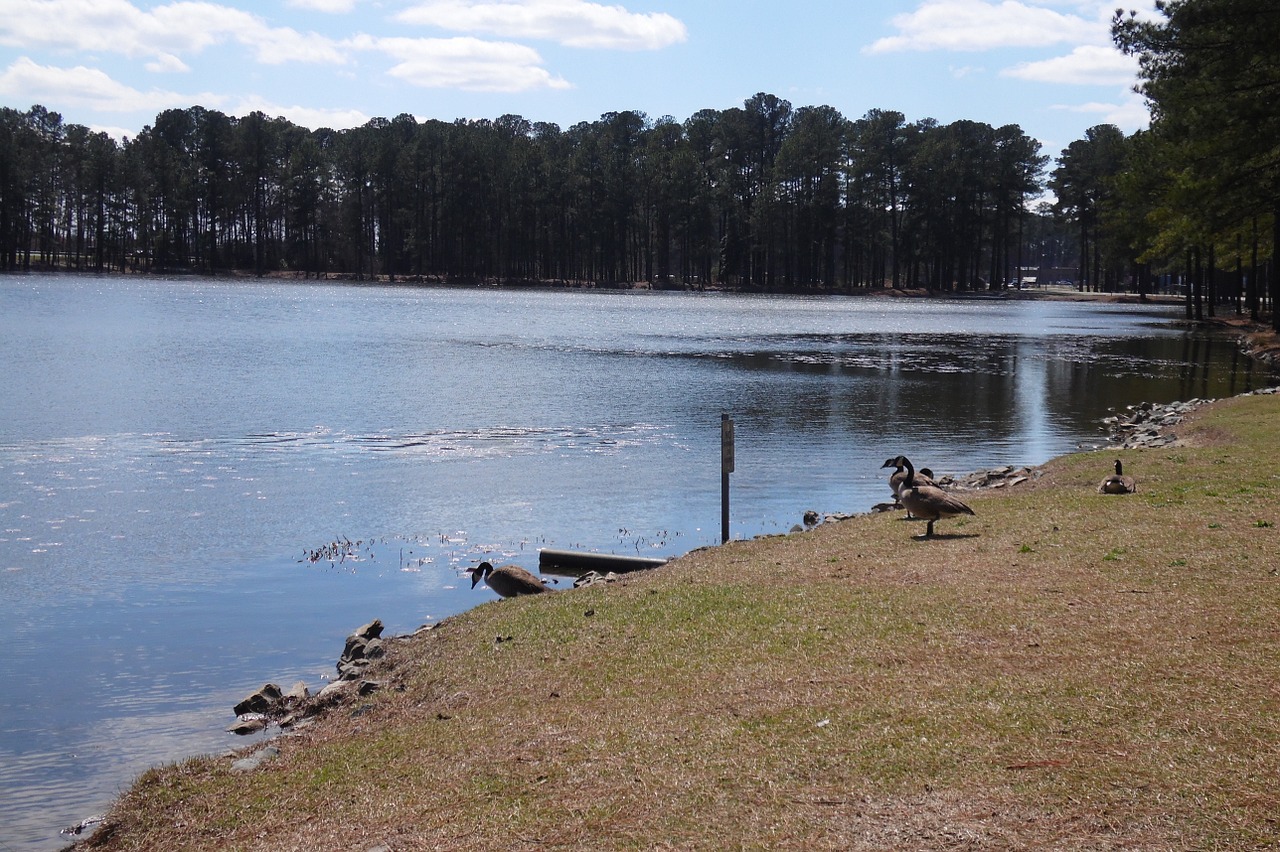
1046,65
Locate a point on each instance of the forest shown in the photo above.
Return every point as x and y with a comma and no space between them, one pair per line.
765,196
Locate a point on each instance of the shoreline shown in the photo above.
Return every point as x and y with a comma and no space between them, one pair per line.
292,713
1054,291
1040,583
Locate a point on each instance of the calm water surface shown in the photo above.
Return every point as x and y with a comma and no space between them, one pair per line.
171,452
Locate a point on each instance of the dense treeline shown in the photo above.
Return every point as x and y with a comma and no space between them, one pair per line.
1200,190
763,196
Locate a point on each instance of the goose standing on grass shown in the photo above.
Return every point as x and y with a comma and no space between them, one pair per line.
1118,483
508,581
927,501
924,476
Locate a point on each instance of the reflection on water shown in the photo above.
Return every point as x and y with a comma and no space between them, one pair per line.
206,485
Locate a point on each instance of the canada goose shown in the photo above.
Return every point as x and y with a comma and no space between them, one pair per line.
1118,483
923,477
508,581
927,501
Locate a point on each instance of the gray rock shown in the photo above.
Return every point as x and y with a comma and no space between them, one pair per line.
354,649
335,690
351,669
592,578
372,630
253,761
249,724
297,694
261,701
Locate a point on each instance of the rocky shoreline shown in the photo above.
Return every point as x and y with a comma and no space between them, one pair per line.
1144,426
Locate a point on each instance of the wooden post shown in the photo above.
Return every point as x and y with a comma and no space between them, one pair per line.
726,468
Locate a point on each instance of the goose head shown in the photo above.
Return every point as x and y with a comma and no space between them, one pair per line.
480,572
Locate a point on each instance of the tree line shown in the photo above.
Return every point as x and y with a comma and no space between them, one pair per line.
1199,191
764,196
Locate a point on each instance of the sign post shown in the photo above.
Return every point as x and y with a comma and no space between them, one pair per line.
726,468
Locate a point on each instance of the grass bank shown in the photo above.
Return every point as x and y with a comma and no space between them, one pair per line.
1066,670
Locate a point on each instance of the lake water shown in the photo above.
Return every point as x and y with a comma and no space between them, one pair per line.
173,451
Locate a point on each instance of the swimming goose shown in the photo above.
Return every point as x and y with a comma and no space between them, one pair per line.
927,501
1118,483
508,581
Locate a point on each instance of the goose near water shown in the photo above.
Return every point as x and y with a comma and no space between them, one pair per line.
924,500
1118,483
923,476
508,580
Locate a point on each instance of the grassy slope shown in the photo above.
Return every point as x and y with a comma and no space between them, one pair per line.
1066,670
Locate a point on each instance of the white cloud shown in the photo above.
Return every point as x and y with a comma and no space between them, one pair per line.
80,87
575,23
117,133
1087,65
278,45
167,63
966,25
59,88
1130,114
338,119
464,63
118,26
329,7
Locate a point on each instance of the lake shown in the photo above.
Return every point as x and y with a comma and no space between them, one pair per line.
173,452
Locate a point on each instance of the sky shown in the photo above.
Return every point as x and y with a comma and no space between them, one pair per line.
113,65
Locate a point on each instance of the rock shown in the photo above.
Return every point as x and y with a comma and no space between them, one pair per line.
354,649
248,724
297,695
261,701
591,578
269,705
372,630
1148,425
253,761
335,687
361,646
82,826
351,669
811,518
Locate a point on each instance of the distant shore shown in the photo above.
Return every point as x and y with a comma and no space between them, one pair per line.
1259,340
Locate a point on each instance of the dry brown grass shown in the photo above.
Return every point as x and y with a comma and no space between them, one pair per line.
1066,670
